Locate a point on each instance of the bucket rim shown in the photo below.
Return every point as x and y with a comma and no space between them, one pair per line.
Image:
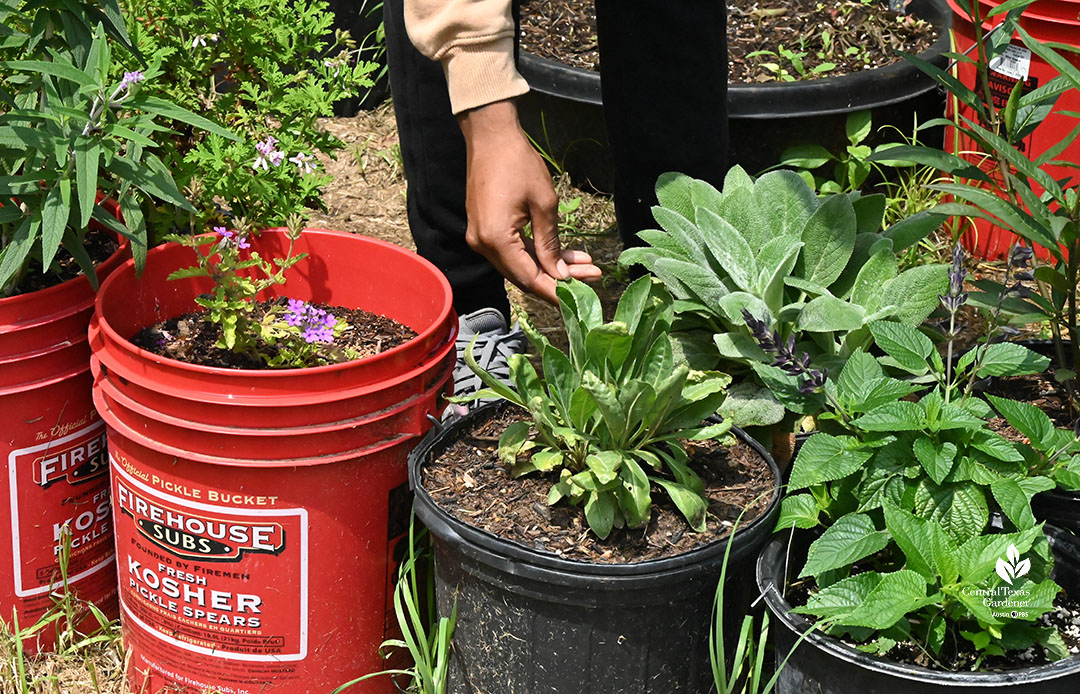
431,331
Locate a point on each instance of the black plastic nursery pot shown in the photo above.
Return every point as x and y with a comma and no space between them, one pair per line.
563,111
529,621
824,665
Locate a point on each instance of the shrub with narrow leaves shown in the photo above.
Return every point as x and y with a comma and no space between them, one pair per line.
816,271
608,417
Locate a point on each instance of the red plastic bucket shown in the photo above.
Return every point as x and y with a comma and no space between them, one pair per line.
1043,22
258,513
53,449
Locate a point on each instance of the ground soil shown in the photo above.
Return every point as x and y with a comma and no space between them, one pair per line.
192,338
470,483
565,30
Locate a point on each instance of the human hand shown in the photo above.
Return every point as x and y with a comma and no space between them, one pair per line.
508,186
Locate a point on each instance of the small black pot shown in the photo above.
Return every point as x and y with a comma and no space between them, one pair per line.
564,111
824,665
529,621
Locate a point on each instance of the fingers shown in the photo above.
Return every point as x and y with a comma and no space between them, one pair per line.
543,211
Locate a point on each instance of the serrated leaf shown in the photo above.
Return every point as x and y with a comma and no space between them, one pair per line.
1011,359
1027,419
909,347
936,459
824,458
859,368
915,292
799,511
959,508
849,539
1014,503
893,416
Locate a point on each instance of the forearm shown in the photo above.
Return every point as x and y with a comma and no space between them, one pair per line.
474,41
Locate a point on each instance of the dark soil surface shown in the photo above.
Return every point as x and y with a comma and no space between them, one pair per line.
191,338
471,484
1065,618
852,35
99,245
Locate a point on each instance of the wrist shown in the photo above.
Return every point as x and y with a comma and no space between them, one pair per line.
492,122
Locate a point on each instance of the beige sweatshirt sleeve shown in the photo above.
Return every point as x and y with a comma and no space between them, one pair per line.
474,41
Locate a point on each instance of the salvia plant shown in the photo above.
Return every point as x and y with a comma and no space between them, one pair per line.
71,135
268,69
608,417
905,483
815,272
288,333
1006,184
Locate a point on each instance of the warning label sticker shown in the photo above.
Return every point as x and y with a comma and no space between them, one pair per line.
55,483
211,579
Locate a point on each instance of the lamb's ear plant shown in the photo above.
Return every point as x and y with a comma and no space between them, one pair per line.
814,271
608,417
1004,183
905,485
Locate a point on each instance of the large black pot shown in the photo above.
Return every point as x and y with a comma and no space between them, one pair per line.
824,665
530,622
563,111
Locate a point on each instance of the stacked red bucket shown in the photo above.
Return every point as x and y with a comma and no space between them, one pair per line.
258,512
1046,20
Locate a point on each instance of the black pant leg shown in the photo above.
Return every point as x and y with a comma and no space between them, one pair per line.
433,154
663,65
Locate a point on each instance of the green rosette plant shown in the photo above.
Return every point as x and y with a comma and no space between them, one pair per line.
816,271
70,133
267,69
608,417
905,485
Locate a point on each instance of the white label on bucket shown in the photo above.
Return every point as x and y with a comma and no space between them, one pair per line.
1014,62
59,482
215,580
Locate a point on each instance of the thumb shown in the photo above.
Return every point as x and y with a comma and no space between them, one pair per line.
546,238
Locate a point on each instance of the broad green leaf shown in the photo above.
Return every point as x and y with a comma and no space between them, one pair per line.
742,209
605,465
909,347
869,212
936,459
600,513
915,292
748,404
684,233
702,283
729,248
870,600
512,442
916,539
1027,419
979,555
788,201
673,191
996,446
859,368
14,254
1014,503
633,303
876,392
849,539
824,458
910,230
607,402
959,508
87,154
829,314
739,346
828,241
807,156
799,511
690,504
893,416
57,68
879,269
633,494
1011,359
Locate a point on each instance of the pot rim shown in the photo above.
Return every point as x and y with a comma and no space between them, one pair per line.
767,100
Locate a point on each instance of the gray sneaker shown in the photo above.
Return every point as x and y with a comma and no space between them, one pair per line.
495,342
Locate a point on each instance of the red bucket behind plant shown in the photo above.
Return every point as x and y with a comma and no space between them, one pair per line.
258,511
53,449
1047,20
